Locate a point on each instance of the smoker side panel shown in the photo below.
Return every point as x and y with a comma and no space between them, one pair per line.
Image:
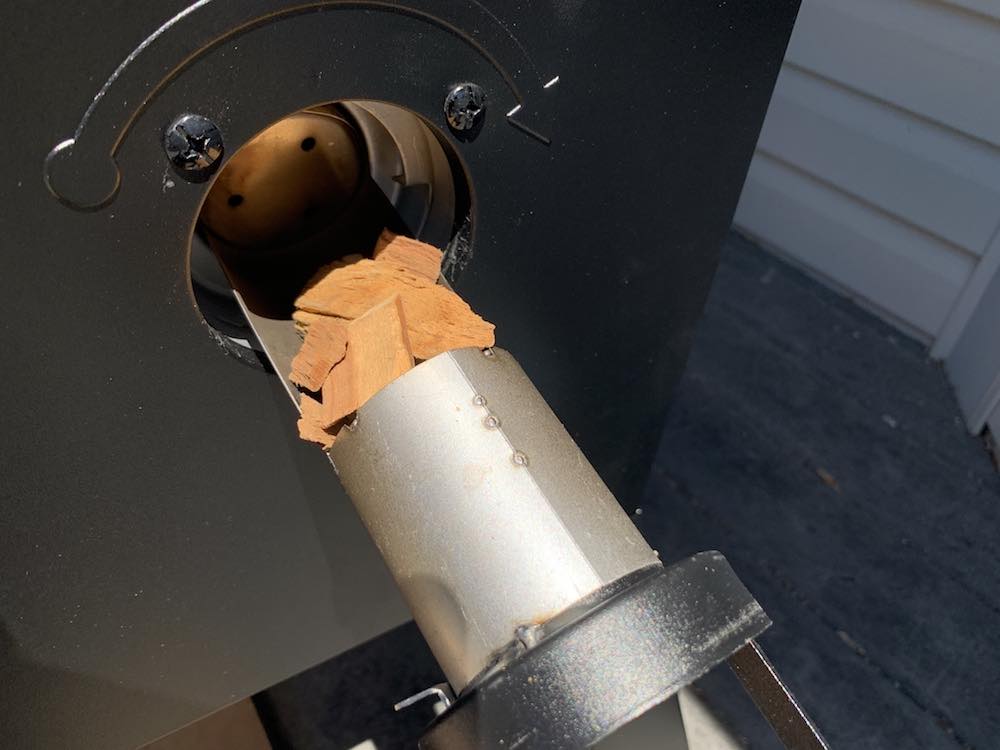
169,544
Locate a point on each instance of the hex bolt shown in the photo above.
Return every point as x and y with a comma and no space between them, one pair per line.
194,146
464,107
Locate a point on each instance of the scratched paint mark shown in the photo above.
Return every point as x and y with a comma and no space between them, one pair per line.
510,33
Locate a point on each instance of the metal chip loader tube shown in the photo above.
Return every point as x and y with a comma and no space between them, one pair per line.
484,509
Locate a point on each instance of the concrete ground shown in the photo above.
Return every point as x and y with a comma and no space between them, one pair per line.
823,454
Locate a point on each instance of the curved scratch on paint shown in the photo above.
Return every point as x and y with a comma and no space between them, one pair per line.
254,22
166,26
510,33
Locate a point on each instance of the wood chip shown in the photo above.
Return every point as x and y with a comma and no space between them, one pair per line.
422,259
350,291
437,319
828,479
325,346
378,352
365,322
310,423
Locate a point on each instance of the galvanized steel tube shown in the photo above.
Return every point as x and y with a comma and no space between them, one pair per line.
486,512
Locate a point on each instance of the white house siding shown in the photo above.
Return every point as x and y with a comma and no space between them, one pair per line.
878,167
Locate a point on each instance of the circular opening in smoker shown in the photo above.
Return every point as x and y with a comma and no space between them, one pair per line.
315,186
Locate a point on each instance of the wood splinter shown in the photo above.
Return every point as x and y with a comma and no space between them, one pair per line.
310,427
325,345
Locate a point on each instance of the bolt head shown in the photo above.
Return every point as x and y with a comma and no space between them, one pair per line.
194,146
464,107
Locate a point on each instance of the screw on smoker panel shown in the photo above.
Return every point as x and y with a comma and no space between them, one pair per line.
194,146
464,107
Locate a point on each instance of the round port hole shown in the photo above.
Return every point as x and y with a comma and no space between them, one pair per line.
315,186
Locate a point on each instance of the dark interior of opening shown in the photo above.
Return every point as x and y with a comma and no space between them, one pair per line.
316,186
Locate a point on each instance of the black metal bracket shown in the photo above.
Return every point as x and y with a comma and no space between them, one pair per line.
620,658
